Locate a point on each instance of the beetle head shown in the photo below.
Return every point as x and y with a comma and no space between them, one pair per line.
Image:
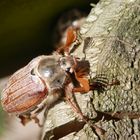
67,63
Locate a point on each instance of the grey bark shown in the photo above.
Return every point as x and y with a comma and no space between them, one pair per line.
113,51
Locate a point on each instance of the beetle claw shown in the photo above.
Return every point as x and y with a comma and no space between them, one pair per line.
24,119
37,121
27,118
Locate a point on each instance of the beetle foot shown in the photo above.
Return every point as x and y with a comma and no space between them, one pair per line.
99,130
27,118
37,121
24,119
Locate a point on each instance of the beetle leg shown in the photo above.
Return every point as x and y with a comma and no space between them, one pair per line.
75,108
24,119
36,120
39,108
70,38
47,103
27,118
71,101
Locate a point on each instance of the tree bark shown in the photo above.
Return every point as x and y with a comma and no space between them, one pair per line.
111,43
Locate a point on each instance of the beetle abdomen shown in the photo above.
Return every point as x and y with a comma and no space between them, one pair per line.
24,90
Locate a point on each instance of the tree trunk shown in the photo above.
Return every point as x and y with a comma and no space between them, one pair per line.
111,43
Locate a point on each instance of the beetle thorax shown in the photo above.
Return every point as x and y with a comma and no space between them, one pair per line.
50,71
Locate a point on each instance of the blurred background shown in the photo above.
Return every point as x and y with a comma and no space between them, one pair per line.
29,28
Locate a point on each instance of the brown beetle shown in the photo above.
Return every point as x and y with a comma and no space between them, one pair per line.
40,83
44,80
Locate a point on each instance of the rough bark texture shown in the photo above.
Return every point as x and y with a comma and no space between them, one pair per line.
113,51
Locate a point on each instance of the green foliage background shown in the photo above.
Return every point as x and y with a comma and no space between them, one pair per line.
1,120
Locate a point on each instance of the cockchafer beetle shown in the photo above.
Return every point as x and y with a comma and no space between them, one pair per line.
29,89
44,80
40,83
